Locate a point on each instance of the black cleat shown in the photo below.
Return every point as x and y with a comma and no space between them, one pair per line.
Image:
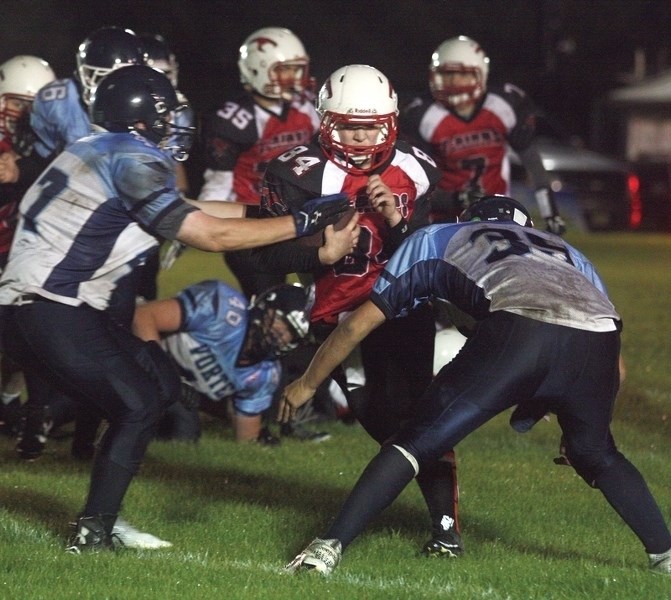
302,433
266,438
447,544
91,536
36,423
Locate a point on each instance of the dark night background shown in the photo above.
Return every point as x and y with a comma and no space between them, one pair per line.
565,53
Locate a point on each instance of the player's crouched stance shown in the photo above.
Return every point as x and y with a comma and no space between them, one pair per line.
542,310
90,220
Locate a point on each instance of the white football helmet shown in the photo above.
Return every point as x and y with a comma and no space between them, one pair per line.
20,79
458,55
357,95
264,55
103,51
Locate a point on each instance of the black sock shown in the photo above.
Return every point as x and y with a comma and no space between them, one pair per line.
381,482
437,482
109,482
626,491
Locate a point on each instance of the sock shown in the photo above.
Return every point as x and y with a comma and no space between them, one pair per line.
382,481
626,491
438,484
109,482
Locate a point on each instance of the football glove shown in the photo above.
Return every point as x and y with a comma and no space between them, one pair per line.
317,213
555,225
548,209
171,254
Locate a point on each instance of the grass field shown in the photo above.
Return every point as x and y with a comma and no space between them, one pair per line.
237,513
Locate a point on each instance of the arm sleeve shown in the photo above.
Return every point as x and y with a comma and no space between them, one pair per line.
147,188
291,256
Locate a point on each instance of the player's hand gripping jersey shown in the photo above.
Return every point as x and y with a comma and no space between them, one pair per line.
304,173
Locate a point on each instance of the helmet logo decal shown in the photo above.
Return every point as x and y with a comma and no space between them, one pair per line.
261,42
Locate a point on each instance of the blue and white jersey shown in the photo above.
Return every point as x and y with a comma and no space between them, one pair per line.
206,348
482,267
90,218
58,117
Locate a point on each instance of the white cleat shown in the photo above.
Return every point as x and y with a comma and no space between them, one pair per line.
134,538
661,563
321,555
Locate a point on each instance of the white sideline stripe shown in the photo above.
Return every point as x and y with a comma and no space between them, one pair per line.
399,585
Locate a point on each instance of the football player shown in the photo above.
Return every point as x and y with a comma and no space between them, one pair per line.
467,127
388,183
274,113
60,111
69,291
548,340
226,348
20,78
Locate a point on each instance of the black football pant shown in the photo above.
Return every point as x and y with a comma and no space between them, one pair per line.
81,352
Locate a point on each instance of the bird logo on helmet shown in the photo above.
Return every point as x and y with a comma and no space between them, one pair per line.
497,208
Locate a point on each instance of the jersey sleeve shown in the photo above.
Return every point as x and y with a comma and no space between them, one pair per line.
57,117
520,136
278,196
147,188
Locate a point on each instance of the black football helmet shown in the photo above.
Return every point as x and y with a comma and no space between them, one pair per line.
103,51
140,94
289,305
157,54
497,208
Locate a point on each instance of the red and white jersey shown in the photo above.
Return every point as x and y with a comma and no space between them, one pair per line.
472,153
305,173
242,137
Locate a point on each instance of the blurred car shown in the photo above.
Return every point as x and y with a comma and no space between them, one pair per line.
655,195
593,192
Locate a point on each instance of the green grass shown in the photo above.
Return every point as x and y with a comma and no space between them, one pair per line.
237,513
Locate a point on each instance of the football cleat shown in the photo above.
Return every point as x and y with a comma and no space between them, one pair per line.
447,544
130,537
35,426
302,433
320,555
661,563
90,536
266,438
10,417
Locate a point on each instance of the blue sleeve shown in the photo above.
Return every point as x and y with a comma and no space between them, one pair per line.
409,277
58,117
582,263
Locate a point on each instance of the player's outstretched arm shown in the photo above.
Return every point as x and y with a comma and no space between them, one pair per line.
226,230
330,354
